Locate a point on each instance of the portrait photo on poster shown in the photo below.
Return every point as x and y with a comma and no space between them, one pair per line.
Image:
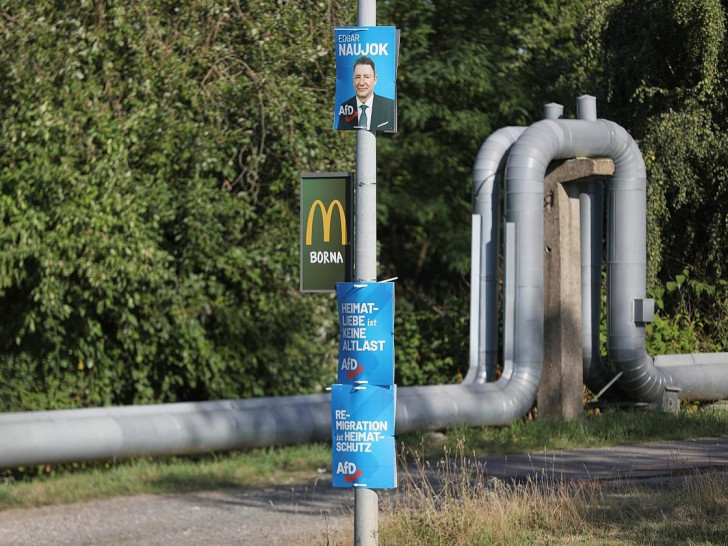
366,78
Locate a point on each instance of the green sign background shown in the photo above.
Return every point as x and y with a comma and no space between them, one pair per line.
326,244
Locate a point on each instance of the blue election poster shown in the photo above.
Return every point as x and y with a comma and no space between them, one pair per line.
366,328
362,429
366,78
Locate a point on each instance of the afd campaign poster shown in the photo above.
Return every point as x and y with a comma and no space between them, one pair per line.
362,434
366,327
366,78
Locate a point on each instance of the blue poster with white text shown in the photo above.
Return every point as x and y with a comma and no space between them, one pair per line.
366,78
366,328
362,429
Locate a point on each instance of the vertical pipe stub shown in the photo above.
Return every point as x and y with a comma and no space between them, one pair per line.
586,108
553,110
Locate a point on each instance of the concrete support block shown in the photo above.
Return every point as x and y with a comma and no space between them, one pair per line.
669,402
561,390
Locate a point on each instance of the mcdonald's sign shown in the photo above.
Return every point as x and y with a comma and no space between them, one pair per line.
326,230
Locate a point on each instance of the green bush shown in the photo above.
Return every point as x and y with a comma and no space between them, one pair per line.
691,317
149,200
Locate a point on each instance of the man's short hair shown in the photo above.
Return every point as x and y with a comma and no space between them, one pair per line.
365,60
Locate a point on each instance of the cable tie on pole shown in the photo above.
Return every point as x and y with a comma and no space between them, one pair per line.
361,382
359,485
360,388
390,280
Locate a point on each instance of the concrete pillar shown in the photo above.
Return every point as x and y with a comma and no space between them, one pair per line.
560,393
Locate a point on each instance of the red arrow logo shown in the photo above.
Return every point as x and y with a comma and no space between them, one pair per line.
349,118
353,373
353,477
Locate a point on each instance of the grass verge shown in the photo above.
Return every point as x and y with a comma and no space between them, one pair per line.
459,505
57,484
609,428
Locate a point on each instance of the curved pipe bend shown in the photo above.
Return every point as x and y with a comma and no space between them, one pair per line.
487,180
542,143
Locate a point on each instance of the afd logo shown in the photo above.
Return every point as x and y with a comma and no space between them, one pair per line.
351,366
348,469
326,217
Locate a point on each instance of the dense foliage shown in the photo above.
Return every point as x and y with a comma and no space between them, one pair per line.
149,168
148,198
659,66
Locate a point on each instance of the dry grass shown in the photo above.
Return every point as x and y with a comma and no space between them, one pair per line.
453,502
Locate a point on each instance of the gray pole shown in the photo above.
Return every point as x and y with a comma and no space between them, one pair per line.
366,501
366,182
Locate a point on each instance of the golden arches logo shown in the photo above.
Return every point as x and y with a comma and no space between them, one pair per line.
326,214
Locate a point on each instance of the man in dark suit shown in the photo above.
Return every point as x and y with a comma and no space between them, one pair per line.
366,110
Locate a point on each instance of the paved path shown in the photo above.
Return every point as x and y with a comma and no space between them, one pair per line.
256,516
620,463
286,515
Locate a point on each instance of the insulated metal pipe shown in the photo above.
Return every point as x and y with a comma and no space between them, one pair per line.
591,215
541,143
702,376
627,269
30,438
487,179
591,209
183,428
529,158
